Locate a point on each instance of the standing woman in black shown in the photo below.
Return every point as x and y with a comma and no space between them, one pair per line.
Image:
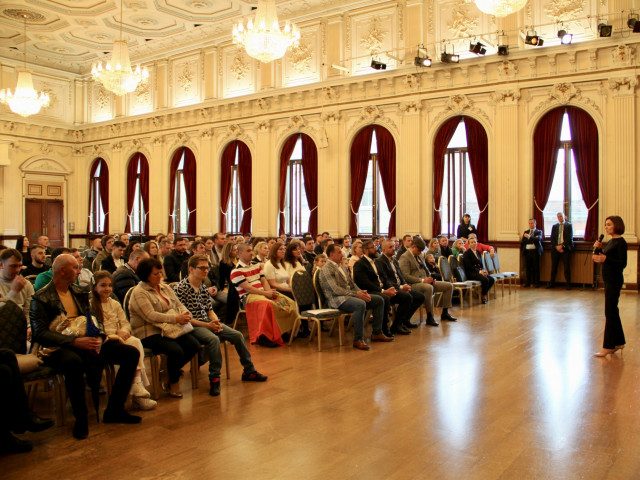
614,260
466,227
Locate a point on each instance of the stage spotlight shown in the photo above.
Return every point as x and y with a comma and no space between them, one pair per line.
449,58
503,49
633,23
605,30
422,62
477,48
565,38
376,65
534,40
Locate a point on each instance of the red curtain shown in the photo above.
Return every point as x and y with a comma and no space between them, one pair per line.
584,137
244,182
387,166
228,158
103,191
132,175
175,161
285,156
310,174
189,176
444,136
144,190
546,138
360,152
478,150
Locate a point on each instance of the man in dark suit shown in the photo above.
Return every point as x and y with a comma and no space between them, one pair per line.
343,294
173,262
391,276
531,247
366,276
561,246
406,243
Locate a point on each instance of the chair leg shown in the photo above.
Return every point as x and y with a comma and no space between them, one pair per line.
226,359
155,376
194,372
340,321
294,330
58,391
319,335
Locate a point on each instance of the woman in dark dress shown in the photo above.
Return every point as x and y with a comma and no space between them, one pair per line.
614,260
472,264
22,245
466,228
228,262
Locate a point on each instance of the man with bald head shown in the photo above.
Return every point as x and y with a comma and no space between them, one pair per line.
71,352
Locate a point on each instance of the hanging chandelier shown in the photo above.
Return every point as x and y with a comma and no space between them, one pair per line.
117,76
262,38
24,100
500,8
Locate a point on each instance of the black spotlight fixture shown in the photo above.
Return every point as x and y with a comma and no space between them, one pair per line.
605,30
477,48
422,62
503,50
534,39
633,23
449,58
503,44
565,37
376,65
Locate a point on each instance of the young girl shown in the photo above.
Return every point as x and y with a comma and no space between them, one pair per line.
318,263
118,329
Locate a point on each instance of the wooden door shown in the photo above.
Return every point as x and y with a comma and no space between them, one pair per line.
45,217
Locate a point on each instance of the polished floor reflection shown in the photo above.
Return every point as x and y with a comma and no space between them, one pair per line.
510,391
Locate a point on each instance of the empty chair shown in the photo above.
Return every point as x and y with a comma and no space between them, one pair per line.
499,277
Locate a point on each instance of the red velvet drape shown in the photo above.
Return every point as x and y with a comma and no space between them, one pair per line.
285,156
478,151
189,176
175,161
387,166
132,174
444,136
360,152
144,190
244,182
546,138
310,174
226,162
104,194
584,137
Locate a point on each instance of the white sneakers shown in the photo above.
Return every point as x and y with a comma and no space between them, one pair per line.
138,390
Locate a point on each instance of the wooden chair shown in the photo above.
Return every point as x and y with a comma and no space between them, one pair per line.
303,291
461,276
511,276
31,278
459,287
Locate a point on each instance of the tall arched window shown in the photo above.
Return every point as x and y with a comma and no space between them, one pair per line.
182,192
373,182
566,170
298,186
138,195
235,188
98,197
460,179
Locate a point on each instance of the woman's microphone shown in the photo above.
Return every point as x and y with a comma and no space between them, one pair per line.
596,250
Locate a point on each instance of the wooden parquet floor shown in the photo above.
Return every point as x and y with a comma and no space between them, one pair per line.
510,391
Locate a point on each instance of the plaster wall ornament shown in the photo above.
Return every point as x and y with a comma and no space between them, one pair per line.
157,121
430,18
137,144
296,122
623,55
507,69
331,93
116,147
96,149
332,117
77,152
102,98
78,135
323,40
115,129
370,112
239,66
409,107
185,78
533,66
234,131
143,93
157,141
264,104
368,115
183,138
402,5
11,126
207,133
300,57
203,113
621,84
462,23
323,141
505,96
374,38
563,94
45,148
460,105
264,126
347,21
564,10
53,99
411,82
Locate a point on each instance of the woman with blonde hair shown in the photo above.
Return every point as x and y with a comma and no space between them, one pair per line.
260,252
356,253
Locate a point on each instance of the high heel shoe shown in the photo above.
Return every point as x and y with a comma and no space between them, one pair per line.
618,347
604,352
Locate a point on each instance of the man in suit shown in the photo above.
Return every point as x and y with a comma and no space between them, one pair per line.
173,262
419,277
531,247
115,259
406,243
309,255
125,276
365,275
561,246
391,276
342,293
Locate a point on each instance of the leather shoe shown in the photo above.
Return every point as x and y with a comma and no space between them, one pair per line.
431,321
35,424
389,333
361,345
81,428
120,416
447,316
551,285
401,330
381,337
410,325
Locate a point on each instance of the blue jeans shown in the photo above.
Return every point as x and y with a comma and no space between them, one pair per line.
357,307
212,343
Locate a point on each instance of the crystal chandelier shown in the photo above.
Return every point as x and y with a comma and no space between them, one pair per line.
500,8
262,38
24,100
117,76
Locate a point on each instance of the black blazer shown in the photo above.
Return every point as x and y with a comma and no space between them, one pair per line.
472,264
535,239
385,272
365,276
464,230
567,240
445,251
109,264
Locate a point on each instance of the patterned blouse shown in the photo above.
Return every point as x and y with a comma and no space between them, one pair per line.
198,302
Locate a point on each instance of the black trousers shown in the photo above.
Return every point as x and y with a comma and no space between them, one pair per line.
487,282
14,409
74,363
532,262
179,351
408,303
556,256
613,334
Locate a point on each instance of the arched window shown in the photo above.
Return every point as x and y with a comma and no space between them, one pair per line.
98,197
460,179
235,188
298,186
138,195
566,171
182,192
373,182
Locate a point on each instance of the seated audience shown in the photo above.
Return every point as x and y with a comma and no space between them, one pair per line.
473,268
22,245
90,256
356,253
45,277
269,314
165,247
173,262
480,247
432,265
207,328
466,228
131,246
197,248
86,275
115,259
275,271
260,253
208,250
107,245
320,248
309,253
74,351
318,263
125,277
445,250
117,329
458,247
152,304
124,238
406,243
346,246
151,247
342,293
13,286
434,248
44,241
293,260
228,262
38,260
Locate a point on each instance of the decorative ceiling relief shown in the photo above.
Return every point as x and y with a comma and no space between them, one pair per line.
461,22
373,40
240,65
623,55
301,57
186,87
185,78
239,74
564,10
